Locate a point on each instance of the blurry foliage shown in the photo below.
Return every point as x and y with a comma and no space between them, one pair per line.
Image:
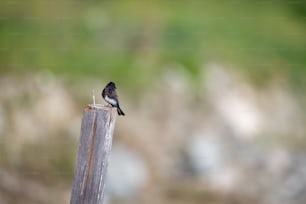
51,156
133,41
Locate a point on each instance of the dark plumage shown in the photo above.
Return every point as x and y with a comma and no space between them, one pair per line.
110,96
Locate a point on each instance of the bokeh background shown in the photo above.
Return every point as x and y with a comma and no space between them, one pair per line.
214,95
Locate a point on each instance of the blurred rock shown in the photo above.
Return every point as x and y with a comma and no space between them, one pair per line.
127,173
282,112
211,161
288,184
274,174
234,100
38,106
2,120
204,153
249,112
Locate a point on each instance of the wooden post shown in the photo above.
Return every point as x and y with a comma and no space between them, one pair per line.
93,154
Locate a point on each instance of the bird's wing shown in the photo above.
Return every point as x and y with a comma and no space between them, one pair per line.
113,94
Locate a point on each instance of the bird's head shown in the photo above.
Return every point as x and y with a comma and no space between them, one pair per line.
111,84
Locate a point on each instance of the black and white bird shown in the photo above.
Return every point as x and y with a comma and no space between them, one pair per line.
110,96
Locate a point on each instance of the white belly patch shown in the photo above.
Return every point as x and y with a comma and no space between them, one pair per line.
110,100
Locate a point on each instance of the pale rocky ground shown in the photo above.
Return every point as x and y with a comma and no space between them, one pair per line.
224,142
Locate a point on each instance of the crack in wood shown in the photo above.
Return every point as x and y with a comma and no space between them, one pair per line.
90,155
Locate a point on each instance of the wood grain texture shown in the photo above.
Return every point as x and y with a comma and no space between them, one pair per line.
93,154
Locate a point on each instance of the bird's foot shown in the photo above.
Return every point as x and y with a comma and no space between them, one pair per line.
108,105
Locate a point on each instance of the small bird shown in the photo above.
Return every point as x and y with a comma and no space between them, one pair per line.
110,96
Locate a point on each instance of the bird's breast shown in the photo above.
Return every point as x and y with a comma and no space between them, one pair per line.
110,100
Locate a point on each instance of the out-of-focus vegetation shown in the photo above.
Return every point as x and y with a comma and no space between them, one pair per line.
134,40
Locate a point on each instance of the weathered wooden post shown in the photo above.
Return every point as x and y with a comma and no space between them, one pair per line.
93,154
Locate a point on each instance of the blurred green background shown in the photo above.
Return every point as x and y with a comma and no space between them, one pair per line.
133,40
62,49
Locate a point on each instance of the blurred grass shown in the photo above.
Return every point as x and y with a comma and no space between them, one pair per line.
133,41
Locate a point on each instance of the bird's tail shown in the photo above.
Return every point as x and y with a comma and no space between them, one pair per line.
120,112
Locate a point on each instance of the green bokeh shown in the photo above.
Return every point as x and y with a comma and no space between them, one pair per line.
134,41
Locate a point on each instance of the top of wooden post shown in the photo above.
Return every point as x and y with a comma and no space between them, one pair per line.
97,106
